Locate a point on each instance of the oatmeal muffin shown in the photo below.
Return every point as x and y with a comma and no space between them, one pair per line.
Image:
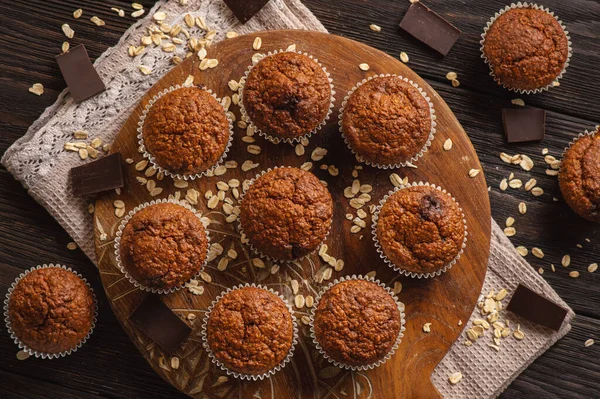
579,176
420,229
357,322
287,95
526,48
286,213
186,131
386,121
51,310
250,331
163,246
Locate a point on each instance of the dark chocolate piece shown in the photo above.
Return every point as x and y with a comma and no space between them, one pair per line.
536,308
104,174
245,9
79,73
160,324
524,124
428,27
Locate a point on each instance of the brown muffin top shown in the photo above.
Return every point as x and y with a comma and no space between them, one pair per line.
357,322
51,310
286,213
386,121
287,95
420,229
250,330
186,131
526,48
579,177
163,246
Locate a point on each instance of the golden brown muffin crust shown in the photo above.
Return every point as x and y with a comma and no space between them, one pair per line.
387,121
186,131
286,213
526,48
357,322
250,330
420,229
51,310
163,245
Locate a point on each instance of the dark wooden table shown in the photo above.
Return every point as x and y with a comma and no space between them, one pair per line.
110,366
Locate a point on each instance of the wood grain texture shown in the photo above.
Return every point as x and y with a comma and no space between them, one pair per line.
443,301
111,367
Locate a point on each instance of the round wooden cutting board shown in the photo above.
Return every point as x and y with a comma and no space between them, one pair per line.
442,301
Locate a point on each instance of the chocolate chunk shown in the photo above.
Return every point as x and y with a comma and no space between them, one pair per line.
536,308
101,175
160,324
524,124
79,73
428,27
245,9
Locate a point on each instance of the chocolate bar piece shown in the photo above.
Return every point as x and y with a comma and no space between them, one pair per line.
428,27
536,308
160,324
104,174
524,124
245,9
79,73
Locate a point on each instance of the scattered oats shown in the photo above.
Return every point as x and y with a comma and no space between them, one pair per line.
37,89
518,101
141,165
448,144
159,16
257,262
257,43
254,149
70,33
71,246
145,70
119,204
77,13
530,184
168,47
137,6
212,202
397,287
299,301
22,355
151,171
551,172
537,191
205,276
354,229
299,150
291,47
455,83
501,294
522,208
339,265
333,171
510,221
510,231
566,260
83,153
231,35
515,183
80,134
156,191
295,286
91,208
309,301
223,263
375,28
574,274
202,55
541,271
318,154
589,343
65,47
174,363
474,172
455,378
505,157
556,83
248,139
404,57
593,267
526,163
249,165
364,66
503,184
522,250
396,180
119,212
427,327
305,320
97,21
518,334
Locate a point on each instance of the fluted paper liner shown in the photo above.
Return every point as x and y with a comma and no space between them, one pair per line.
219,364
23,346
580,135
415,157
399,268
391,351
537,7
276,140
126,220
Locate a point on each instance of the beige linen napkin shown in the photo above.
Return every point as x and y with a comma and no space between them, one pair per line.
40,163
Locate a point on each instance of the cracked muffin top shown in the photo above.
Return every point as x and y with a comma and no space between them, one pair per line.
186,131
51,310
526,48
286,213
579,177
357,322
386,121
163,246
420,229
287,95
250,330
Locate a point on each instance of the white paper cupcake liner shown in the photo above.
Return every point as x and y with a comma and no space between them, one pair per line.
398,339
580,135
150,157
380,248
218,363
126,220
255,250
276,140
23,346
415,157
537,7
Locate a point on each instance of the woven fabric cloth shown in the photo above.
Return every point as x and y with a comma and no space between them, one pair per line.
39,161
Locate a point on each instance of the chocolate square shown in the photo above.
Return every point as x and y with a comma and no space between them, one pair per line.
524,124
534,307
104,174
79,73
245,9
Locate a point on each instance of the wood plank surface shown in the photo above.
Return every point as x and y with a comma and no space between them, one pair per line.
111,367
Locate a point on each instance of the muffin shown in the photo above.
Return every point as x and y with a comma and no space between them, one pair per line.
163,246
526,48
250,331
186,131
287,95
420,229
579,176
387,121
357,323
286,213
51,310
